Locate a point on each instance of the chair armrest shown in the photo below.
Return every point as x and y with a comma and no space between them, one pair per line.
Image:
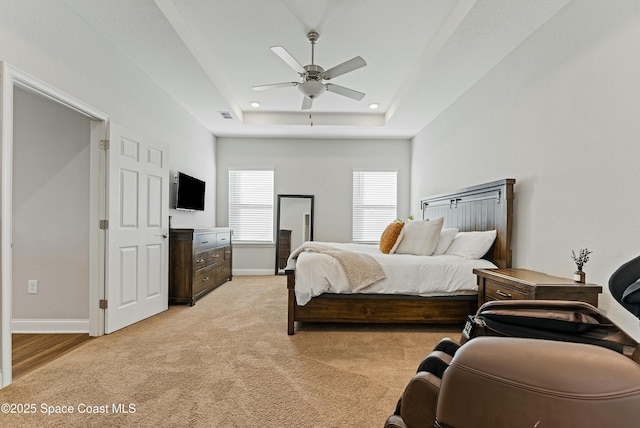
435,363
447,345
419,400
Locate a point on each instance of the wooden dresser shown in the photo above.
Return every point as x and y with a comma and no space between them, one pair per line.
514,284
199,261
284,248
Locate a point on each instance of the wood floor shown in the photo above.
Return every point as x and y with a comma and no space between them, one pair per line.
31,351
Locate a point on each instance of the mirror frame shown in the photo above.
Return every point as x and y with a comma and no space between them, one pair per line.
280,197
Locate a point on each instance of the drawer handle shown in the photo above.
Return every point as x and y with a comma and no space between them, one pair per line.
200,261
216,255
503,294
204,242
205,279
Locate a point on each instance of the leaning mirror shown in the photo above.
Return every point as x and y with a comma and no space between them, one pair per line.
294,226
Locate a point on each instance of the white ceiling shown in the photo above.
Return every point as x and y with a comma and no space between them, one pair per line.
421,56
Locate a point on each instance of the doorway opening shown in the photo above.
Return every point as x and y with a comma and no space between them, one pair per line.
15,84
50,228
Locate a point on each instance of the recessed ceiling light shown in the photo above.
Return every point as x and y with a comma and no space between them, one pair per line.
255,104
374,106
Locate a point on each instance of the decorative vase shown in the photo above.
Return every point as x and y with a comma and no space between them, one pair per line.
579,276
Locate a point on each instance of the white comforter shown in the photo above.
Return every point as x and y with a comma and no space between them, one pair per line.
405,274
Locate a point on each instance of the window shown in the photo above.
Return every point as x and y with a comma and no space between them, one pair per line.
374,203
251,205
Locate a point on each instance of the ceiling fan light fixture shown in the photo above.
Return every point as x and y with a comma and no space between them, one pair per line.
313,77
312,88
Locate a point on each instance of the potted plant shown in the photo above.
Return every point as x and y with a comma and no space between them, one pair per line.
580,259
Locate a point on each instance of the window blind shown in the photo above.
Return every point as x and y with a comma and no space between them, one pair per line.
251,205
374,203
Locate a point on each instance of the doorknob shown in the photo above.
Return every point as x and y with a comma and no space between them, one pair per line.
164,235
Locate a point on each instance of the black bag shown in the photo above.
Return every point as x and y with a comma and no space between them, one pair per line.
565,321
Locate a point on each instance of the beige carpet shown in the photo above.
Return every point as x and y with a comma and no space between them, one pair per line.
228,362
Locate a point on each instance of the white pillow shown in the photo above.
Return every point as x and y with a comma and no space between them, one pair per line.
472,245
395,246
446,238
420,237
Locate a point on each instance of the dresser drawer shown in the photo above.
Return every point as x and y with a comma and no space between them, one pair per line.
223,238
204,240
204,278
496,291
208,257
223,271
227,253
214,256
200,259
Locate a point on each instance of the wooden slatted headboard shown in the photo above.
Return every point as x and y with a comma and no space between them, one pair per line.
482,207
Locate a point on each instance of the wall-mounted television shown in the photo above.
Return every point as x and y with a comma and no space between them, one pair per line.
189,193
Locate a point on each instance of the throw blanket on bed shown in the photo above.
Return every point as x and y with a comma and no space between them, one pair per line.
360,269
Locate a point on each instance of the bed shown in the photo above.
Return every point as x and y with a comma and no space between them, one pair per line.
484,207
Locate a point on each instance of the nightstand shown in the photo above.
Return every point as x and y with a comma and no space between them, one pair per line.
523,284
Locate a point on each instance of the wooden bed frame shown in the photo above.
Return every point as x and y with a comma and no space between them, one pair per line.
483,207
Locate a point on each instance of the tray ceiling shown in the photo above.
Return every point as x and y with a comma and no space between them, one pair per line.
421,56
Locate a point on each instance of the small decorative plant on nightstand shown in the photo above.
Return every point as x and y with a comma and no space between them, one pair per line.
580,259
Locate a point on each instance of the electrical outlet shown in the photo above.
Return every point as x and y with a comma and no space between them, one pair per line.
32,286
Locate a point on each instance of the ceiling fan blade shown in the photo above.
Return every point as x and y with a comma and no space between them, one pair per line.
290,60
341,90
306,103
345,67
274,85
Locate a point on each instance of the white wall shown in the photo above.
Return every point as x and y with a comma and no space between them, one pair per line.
559,114
50,209
48,40
322,168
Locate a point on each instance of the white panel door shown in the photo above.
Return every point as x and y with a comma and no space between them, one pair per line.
138,248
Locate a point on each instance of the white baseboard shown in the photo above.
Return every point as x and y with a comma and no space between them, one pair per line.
253,272
49,326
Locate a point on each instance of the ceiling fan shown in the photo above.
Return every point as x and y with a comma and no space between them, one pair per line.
312,77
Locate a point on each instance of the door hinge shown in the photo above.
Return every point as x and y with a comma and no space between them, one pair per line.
103,304
104,224
104,144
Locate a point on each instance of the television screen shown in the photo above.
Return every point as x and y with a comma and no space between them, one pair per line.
190,193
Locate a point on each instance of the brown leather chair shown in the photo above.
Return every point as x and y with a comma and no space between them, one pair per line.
506,382
513,382
500,382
